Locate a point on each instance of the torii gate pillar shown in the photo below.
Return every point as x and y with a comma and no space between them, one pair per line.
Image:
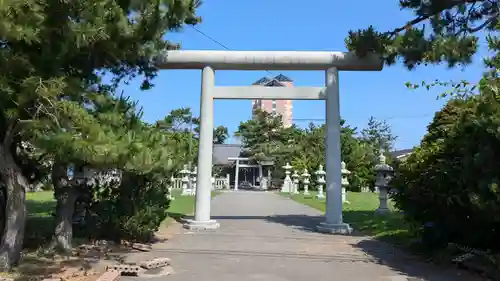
330,62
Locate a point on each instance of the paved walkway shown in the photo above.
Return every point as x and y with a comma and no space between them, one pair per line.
264,236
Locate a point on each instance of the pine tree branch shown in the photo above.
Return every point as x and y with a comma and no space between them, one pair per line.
484,24
423,18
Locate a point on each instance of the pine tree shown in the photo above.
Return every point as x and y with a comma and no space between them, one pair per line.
378,135
441,31
52,59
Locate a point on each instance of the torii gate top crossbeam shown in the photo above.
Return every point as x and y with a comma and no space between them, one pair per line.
268,60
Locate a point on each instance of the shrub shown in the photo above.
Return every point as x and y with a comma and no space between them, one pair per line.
449,188
133,210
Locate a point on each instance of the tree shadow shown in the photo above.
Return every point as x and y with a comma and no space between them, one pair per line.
389,227
366,224
411,265
39,231
39,267
306,223
40,208
87,260
178,217
302,222
40,223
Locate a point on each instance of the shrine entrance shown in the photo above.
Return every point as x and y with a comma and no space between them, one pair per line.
330,62
246,174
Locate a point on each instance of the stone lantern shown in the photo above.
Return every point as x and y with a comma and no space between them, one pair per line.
170,188
194,174
264,183
269,178
345,181
185,173
265,165
320,174
287,183
305,180
384,176
295,186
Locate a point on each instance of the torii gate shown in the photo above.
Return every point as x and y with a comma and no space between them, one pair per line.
330,62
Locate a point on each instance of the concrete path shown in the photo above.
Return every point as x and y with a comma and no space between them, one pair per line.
264,236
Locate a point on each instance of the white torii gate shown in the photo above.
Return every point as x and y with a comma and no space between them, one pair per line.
330,62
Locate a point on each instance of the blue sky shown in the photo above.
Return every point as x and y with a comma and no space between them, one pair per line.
302,25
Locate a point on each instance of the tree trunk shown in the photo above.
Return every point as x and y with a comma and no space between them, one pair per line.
66,195
15,210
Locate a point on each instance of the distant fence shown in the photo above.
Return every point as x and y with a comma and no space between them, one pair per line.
220,183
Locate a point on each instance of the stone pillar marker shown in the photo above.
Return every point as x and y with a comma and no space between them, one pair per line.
194,174
263,183
345,181
170,188
185,180
320,174
212,180
287,183
228,181
384,175
305,179
295,186
333,223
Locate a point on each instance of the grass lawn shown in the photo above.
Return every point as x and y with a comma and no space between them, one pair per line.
360,214
182,206
40,204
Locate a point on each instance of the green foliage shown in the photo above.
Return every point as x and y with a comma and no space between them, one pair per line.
185,129
441,31
265,137
220,134
449,186
262,135
53,58
133,210
379,135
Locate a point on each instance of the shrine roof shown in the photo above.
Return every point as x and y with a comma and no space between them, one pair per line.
222,153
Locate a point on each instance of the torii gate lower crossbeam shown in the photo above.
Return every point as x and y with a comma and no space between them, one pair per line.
331,62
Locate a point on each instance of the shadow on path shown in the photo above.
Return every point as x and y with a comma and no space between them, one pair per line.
383,253
302,222
283,233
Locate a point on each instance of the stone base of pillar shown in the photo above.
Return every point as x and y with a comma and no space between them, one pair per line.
381,211
201,225
320,196
340,228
